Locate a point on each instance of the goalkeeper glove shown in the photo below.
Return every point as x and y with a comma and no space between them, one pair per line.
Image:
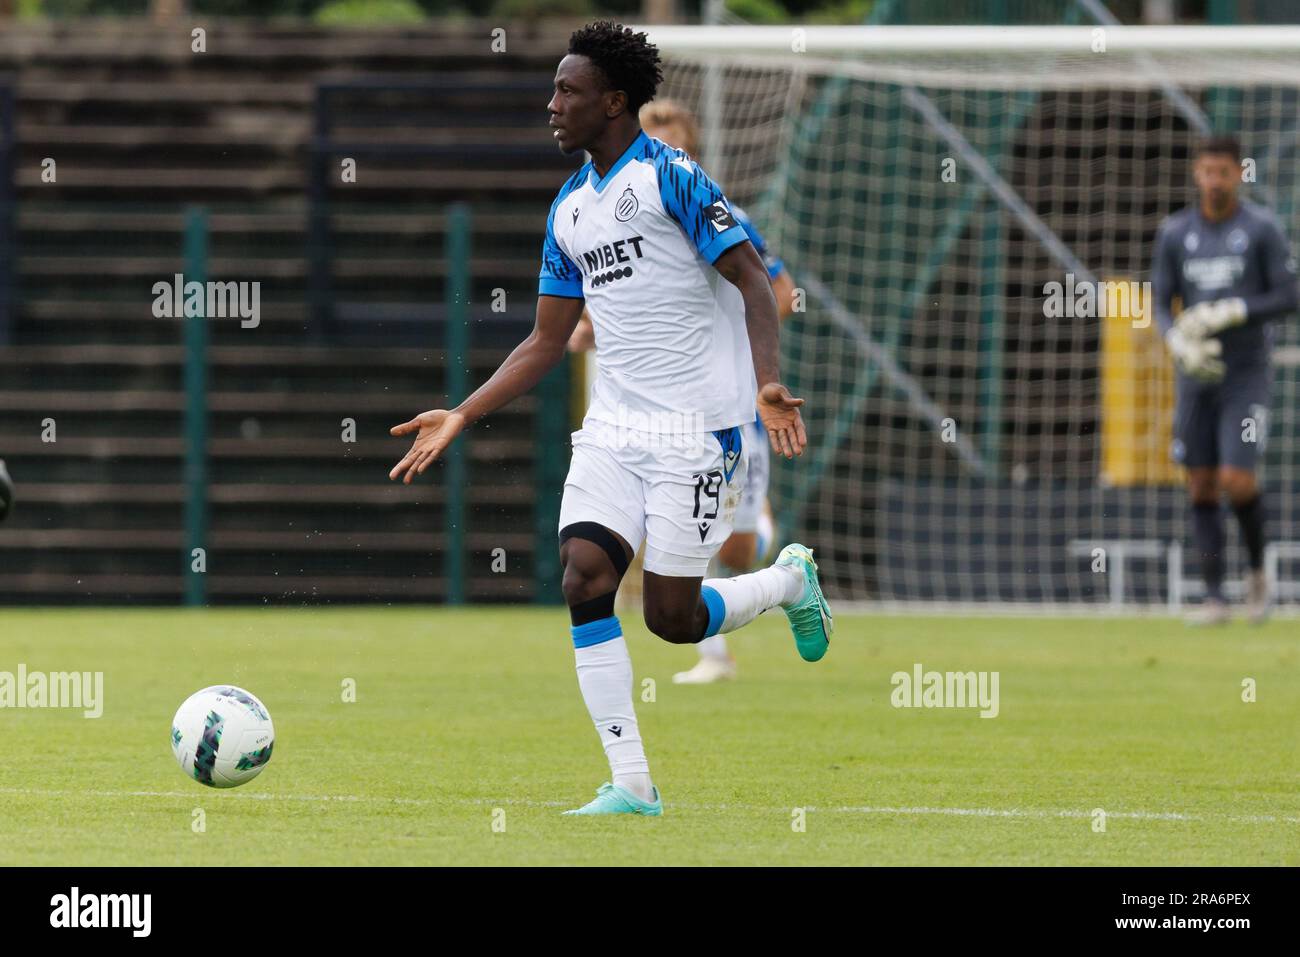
1207,319
1194,357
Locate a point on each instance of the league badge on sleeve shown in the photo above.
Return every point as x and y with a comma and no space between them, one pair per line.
720,216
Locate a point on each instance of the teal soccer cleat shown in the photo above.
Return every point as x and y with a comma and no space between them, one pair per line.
810,616
611,799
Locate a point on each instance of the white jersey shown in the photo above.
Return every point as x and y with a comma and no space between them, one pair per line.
638,245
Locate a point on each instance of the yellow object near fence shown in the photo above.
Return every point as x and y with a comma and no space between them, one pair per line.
1137,396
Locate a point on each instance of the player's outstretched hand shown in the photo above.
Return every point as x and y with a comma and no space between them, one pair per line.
779,411
436,428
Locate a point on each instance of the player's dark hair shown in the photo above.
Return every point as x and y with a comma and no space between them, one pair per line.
628,60
1222,145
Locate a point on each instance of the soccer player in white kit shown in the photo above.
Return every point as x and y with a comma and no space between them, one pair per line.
686,326
752,528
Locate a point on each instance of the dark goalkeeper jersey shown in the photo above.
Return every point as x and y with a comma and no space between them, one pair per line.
1244,257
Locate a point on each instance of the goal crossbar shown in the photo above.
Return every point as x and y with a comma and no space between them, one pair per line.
892,40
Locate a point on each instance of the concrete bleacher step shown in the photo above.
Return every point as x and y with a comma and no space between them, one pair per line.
252,494
366,373
135,43
163,588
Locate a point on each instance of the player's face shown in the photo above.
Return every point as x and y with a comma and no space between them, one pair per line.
580,107
1217,176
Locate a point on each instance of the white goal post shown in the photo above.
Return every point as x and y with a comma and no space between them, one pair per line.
894,40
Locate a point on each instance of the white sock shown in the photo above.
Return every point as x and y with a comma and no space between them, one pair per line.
715,646
605,677
638,784
745,597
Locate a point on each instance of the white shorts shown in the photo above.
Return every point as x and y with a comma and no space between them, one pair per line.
758,468
676,493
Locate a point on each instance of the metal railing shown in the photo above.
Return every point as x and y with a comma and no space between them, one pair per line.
8,202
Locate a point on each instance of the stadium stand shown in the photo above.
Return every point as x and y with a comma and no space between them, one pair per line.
140,128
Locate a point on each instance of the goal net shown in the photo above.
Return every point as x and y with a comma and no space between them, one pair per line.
937,194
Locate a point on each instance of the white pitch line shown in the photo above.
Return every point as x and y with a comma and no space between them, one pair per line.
1023,813
1047,813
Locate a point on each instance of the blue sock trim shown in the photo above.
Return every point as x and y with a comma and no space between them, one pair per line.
717,609
596,632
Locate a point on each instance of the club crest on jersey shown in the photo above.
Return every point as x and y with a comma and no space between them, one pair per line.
627,206
720,216
1238,241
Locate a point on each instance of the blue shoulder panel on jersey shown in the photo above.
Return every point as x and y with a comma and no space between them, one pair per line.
772,261
560,276
696,203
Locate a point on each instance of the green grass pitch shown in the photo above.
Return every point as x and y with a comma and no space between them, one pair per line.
466,718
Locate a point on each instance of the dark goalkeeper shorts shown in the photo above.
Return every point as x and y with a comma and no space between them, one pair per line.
1225,423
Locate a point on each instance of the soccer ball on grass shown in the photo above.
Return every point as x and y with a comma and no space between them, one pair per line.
222,736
